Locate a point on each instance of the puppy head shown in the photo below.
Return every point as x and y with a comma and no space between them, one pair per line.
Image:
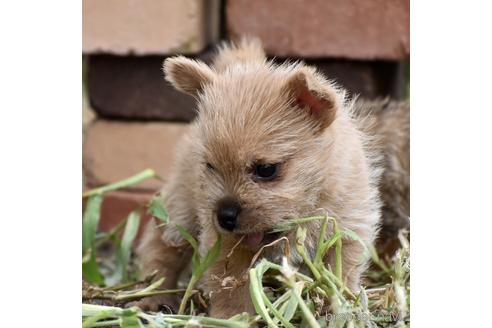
261,141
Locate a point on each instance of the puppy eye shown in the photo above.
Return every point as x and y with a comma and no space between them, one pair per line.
210,167
266,172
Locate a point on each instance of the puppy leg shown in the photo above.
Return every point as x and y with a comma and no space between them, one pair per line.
352,264
227,303
163,248
233,272
159,252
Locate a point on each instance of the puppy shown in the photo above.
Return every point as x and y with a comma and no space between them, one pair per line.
390,124
270,143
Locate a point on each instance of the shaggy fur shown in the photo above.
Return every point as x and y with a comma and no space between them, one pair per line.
390,124
253,111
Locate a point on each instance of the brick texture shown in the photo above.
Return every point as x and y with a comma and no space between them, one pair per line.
149,26
357,29
115,150
368,79
117,205
134,88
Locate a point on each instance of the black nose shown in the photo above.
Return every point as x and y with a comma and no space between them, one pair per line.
227,211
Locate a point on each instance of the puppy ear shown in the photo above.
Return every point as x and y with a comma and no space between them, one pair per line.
313,94
187,75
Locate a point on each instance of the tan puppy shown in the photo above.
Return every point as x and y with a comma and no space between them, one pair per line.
390,123
270,143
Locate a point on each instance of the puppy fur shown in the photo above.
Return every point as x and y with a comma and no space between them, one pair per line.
251,110
390,124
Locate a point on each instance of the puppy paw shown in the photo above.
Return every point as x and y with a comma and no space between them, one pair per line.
156,304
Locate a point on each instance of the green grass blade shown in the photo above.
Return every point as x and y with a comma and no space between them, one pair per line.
124,250
322,236
195,259
275,312
324,248
293,302
105,323
136,179
93,320
210,258
157,210
90,222
257,299
199,266
189,238
90,269
306,312
131,321
91,273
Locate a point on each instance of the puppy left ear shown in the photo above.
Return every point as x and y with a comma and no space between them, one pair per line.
187,75
313,94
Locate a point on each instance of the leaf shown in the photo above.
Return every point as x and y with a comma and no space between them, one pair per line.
198,266
257,299
130,321
124,250
307,312
90,269
195,260
293,302
186,235
212,255
324,247
157,210
90,222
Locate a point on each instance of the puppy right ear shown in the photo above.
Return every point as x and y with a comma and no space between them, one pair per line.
187,75
313,94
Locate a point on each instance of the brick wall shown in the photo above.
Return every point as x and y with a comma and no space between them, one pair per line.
361,44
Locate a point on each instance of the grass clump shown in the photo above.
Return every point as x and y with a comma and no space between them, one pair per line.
282,296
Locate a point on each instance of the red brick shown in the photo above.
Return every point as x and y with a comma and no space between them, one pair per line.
357,29
368,79
117,205
115,150
133,87
149,26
